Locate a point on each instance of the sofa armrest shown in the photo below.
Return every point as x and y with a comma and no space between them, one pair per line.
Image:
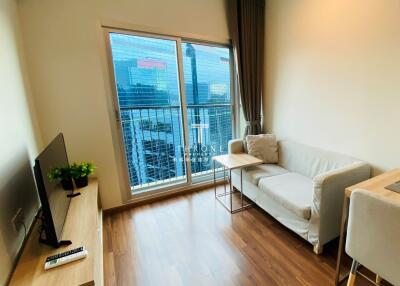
327,201
235,146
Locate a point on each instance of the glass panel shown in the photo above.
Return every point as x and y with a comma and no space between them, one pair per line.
207,89
146,75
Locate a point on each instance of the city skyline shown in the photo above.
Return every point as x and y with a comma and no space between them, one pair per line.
146,74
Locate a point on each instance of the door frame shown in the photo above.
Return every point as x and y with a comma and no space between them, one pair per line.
166,188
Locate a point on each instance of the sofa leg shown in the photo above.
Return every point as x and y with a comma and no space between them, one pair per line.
378,280
318,249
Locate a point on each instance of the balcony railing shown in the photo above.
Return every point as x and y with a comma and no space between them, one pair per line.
154,141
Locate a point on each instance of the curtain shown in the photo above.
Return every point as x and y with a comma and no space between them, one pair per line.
246,27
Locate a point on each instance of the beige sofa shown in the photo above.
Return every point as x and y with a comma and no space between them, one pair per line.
305,190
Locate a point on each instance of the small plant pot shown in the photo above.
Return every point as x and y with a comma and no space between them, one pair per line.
67,184
81,182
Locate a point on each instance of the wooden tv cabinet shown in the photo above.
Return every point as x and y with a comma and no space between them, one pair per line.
83,226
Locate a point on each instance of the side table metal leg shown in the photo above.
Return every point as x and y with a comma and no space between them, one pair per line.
241,186
215,181
230,188
224,181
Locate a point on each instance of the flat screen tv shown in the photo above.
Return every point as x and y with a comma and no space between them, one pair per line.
54,199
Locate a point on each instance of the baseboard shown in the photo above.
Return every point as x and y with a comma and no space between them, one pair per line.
161,196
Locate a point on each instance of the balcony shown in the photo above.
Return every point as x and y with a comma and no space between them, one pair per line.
155,148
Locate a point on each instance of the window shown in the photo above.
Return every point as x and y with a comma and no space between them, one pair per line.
175,105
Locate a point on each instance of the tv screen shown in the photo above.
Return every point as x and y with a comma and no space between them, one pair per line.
55,200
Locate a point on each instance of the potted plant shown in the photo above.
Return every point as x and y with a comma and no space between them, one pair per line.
62,174
80,173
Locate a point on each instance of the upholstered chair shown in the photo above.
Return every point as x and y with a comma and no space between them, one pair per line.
373,236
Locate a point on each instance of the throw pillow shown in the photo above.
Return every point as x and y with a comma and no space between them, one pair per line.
264,147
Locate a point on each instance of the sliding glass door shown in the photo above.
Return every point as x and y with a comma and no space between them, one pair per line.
174,106
209,105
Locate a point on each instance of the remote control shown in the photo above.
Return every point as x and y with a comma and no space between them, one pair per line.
65,257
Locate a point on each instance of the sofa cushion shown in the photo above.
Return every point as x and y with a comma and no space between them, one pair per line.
293,191
254,173
310,161
264,147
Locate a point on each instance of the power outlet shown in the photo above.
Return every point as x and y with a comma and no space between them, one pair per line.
18,219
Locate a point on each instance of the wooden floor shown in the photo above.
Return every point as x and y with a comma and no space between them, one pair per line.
193,240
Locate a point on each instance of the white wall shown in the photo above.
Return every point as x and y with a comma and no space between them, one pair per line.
67,60
333,76
19,139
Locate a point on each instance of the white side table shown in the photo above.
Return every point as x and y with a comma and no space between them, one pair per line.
231,162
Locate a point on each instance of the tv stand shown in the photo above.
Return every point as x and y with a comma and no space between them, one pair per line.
83,225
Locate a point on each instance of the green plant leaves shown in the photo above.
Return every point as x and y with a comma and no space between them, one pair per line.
59,173
83,169
76,170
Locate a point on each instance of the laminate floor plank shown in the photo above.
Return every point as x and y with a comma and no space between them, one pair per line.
192,240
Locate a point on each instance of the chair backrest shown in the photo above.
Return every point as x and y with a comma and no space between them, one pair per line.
310,161
373,234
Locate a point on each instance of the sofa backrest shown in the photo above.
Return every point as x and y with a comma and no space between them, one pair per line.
310,161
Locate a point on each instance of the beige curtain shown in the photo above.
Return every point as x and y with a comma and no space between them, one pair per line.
246,26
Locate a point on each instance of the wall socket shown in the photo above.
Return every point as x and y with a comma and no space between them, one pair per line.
18,219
